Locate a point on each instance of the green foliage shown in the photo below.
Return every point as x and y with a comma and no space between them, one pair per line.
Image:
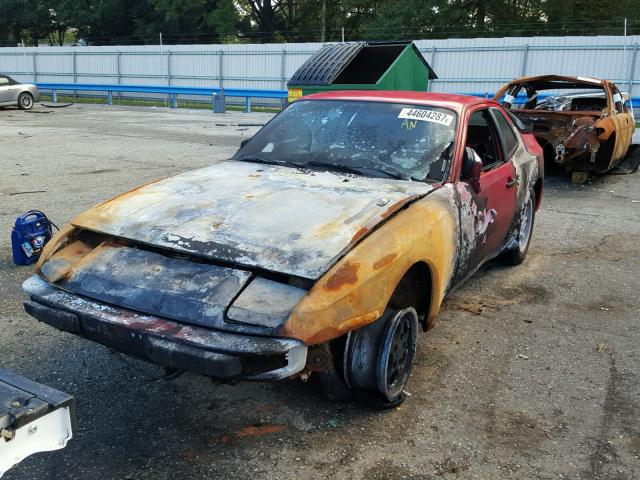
101,22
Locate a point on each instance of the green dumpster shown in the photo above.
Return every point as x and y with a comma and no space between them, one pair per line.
362,66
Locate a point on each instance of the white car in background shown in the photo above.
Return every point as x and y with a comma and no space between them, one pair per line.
14,93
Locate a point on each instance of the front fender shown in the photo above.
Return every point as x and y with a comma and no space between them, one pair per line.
356,290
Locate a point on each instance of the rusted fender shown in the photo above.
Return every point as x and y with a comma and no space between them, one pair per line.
607,125
356,291
56,242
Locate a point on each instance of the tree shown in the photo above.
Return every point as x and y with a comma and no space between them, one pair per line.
103,22
263,14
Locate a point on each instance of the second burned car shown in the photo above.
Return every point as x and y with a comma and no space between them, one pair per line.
584,124
319,249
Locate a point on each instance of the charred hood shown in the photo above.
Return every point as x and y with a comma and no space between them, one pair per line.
291,221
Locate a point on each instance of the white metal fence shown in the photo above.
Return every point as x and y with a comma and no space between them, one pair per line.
462,65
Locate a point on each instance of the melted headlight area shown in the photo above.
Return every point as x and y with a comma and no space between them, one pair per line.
168,284
266,303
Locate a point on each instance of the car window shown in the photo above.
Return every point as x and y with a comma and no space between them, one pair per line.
507,135
370,138
617,100
482,137
4,81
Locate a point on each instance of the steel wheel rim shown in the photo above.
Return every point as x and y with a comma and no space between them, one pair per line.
526,220
397,353
25,101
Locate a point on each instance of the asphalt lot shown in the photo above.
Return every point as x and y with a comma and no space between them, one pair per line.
532,373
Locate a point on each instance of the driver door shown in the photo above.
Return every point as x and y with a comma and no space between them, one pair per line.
624,123
487,216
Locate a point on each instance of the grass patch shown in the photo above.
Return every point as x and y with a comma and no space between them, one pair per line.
139,102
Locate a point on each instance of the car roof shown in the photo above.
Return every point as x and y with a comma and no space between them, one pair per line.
548,82
445,100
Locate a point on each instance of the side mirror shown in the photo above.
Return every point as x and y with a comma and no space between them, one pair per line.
244,142
471,168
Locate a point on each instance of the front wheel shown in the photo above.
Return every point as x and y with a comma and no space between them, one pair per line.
379,357
517,254
25,101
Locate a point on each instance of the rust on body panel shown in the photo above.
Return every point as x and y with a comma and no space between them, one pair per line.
345,274
426,231
384,261
59,264
290,221
249,269
579,139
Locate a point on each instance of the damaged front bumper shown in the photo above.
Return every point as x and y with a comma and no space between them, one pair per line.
197,349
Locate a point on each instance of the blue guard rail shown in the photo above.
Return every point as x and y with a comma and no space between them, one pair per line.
215,93
170,90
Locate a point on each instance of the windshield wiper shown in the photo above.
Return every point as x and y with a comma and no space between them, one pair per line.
360,170
268,161
400,174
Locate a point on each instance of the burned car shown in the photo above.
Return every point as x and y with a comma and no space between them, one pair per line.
318,249
583,124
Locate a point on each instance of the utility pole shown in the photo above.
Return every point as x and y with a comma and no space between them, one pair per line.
324,21
624,48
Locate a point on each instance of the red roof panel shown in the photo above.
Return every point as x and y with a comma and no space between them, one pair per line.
446,100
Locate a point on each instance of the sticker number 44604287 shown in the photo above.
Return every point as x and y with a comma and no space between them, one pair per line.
426,116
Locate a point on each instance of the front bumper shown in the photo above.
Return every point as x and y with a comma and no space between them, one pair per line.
201,350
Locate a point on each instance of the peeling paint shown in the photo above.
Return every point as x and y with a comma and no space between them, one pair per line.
240,248
286,220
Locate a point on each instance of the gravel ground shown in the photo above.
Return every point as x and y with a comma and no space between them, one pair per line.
532,373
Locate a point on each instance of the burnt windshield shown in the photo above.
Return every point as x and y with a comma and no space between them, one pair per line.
367,138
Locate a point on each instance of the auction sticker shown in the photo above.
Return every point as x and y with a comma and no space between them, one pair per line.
426,116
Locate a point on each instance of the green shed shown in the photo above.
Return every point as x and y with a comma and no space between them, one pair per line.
362,66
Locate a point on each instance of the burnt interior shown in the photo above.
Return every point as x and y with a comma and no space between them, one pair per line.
556,118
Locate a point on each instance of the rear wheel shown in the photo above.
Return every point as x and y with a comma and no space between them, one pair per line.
517,254
25,101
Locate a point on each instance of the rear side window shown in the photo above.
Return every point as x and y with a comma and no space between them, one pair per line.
4,81
507,135
618,101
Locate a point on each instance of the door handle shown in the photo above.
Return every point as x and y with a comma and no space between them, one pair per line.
512,181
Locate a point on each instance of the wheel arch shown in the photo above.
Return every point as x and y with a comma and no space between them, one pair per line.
21,94
357,289
537,189
415,289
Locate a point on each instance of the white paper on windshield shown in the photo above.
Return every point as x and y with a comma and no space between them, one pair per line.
426,116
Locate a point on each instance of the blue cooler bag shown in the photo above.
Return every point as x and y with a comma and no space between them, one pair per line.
30,234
